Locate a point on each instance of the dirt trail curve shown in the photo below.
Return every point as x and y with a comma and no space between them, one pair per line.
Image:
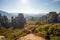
31,37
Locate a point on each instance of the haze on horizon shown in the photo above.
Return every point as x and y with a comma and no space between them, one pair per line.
30,6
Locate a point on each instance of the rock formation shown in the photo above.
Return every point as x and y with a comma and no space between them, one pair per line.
31,37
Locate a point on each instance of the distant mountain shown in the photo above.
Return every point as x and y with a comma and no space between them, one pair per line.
34,15
25,14
7,14
29,16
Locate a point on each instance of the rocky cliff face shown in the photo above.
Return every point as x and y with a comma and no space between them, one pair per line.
51,17
58,17
19,21
3,21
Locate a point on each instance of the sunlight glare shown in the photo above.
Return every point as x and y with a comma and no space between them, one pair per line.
24,1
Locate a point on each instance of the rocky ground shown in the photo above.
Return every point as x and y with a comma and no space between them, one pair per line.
31,37
2,38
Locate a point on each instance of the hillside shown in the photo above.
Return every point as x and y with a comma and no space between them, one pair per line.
47,27
48,31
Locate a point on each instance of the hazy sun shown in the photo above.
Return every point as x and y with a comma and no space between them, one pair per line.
24,1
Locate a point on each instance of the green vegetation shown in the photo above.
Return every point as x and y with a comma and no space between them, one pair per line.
11,34
48,31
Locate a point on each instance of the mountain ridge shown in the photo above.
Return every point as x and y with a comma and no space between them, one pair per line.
25,15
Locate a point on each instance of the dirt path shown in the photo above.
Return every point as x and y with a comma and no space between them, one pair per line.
31,37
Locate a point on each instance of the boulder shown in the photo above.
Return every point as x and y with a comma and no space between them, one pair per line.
2,38
31,37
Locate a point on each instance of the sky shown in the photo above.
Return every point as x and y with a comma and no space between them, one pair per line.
30,6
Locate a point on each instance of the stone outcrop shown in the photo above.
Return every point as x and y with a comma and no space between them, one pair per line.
31,37
2,38
4,21
19,21
58,17
51,17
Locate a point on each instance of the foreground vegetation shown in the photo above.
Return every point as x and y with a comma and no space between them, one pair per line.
48,31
